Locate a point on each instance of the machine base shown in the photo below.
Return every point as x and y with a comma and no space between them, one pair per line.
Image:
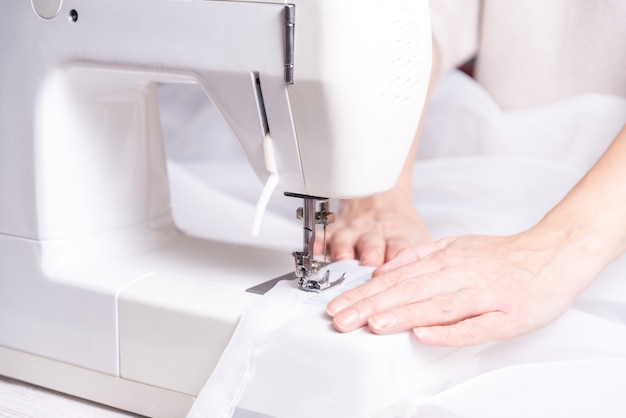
161,317
87,384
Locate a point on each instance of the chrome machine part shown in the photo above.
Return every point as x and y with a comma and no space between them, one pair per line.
307,269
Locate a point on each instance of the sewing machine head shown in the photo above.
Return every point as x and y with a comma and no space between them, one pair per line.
324,97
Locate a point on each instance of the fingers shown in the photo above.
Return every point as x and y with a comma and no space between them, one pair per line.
476,330
357,294
456,319
342,244
347,244
371,249
395,245
411,273
384,290
372,232
371,287
399,242
443,309
318,245
353,309
410,255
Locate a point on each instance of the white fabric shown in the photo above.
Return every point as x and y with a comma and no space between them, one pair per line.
283,356
480,170
534,52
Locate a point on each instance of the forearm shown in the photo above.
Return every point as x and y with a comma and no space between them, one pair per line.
589,224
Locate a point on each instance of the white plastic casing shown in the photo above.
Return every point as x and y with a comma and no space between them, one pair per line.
362,70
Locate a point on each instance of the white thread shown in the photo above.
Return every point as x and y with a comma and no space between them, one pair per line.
268,188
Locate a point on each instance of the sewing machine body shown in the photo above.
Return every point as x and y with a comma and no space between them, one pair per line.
101,296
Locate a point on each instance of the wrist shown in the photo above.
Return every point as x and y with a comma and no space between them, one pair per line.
394,200
575,252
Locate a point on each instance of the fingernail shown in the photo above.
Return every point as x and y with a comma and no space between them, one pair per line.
382,321
347,319
337,306
381,269
422,333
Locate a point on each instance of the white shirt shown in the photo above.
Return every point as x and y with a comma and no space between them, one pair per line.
534,52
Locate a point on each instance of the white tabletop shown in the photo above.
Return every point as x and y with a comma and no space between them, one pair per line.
21,400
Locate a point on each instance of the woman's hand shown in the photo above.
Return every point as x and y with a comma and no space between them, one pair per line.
467,290
472,289
373,230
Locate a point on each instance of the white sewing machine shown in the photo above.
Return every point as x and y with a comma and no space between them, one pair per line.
101,296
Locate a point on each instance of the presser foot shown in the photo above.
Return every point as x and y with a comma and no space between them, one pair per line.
308,285
311,285
309,273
